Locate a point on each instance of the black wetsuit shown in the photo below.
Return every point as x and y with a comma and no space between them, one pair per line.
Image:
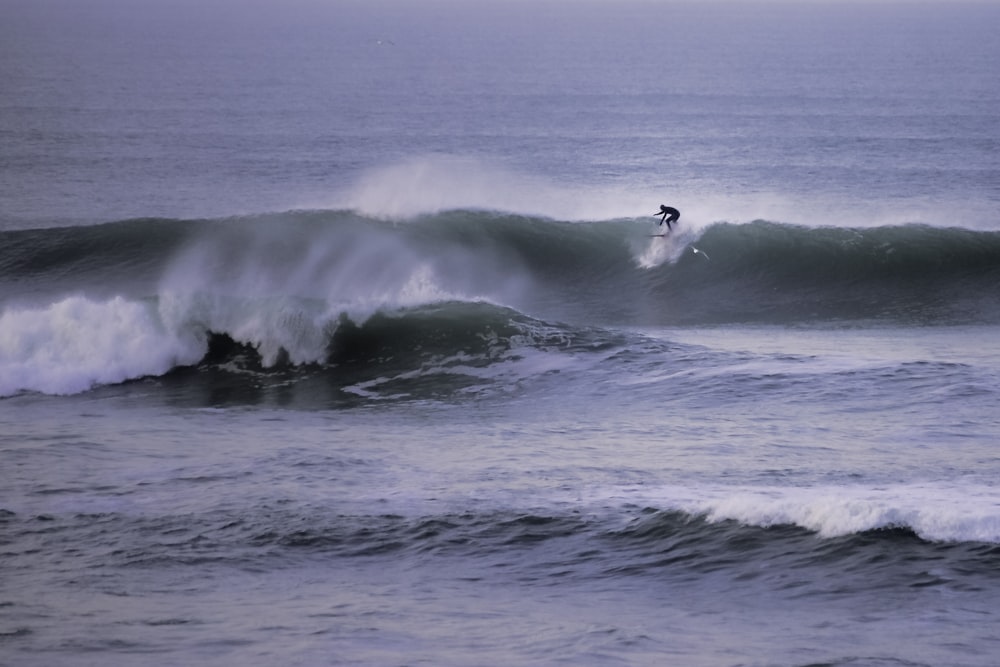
670,215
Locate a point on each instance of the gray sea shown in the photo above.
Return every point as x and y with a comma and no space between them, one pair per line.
339,333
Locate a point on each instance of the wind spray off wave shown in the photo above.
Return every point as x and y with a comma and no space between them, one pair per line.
435,184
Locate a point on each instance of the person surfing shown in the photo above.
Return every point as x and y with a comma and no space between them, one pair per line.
670,215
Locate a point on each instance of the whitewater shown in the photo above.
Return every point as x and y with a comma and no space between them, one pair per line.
340,334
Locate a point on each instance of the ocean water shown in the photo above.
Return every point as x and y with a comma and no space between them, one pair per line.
336,333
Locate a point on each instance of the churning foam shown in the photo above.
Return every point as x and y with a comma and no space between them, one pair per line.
75,344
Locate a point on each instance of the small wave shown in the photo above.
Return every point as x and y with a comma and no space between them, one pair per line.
543,543
939,513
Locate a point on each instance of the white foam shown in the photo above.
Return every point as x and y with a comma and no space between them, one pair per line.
943,511
935,512
75,344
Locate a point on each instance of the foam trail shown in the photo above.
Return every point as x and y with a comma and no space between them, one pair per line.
75,344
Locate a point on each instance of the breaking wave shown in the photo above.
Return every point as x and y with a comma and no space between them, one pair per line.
87,306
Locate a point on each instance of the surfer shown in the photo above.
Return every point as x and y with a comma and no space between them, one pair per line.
670,215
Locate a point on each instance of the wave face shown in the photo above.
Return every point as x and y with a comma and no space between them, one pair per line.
85,306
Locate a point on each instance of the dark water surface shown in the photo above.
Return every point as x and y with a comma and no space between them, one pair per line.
334,333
